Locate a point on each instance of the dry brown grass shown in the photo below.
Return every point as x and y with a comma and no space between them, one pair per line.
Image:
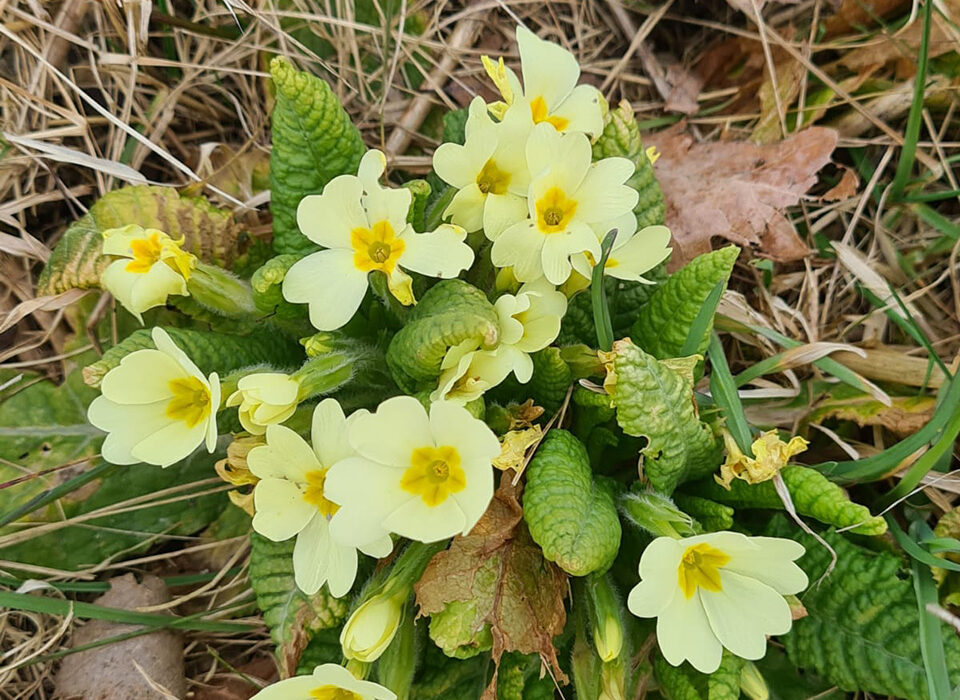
182,97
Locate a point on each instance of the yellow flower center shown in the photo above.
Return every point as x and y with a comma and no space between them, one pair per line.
538,110
333,692
493,180
376,248
313,494
554,211
190,402
147,252
434,474
700,566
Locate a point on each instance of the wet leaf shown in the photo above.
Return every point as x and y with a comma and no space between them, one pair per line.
501,572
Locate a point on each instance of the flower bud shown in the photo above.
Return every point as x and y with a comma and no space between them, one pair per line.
606,624
612,681
657,514
396,667
752,682
371,627
221,292
265,398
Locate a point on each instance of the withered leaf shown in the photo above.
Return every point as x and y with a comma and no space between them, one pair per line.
515,590
737,190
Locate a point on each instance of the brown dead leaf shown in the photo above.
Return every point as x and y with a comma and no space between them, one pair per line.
737,191
904,416
522,602
858,14
846,188
903,47
133,668
685,87
789,78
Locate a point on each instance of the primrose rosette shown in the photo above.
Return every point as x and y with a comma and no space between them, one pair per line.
467,422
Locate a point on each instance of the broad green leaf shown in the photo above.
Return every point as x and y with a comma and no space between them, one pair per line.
813,496
267,286
443,678
313,142
685,683
77,261
664,323
551,379
862,628
291,616
654,399
570,515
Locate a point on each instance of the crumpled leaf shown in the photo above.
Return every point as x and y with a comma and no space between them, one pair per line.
76,262
904,416
292,617
737,190
654,399
789,78
501,572
109,671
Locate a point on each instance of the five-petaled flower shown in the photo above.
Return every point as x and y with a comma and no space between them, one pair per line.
156,406
327,682
290,500
715,591
572,203
364,228
549,90
151,267
424,477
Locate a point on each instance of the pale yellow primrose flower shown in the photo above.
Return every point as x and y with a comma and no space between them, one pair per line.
549,91
156,406
569,196
771,454
371,627
631,256
152,266
290,501
529,321
489,170
364,228
423,477
328,682
265,398
715,591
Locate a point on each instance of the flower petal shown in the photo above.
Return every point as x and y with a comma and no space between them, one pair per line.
329,433
341,570
327,219
556,160
582,110
640,254
285,456
453,425
366,492
744,613
387,204
311,555
297,687
170,444
466,208
502,211
281,511
771,563
415,520
120,283
549,71
558,247
309,281
602,194
153,288
378,548
164,343
389,436
520,247
441,253
211,438
684,634
143,376
126,426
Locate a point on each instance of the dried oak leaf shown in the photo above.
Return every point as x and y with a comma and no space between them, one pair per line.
500,569
737,190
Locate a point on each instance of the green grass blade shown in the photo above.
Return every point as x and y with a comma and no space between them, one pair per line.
923,465
915,550
50,495
724,392
931,639
700,324
909,151
598,299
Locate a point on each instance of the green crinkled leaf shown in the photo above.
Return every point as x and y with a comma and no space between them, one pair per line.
44,426
210,351
551,379
291,616
519,678
313,142
663,324
711,515
654,399
450,313
813,495
621,137
267,286
686,683
861,631
453,629
323,648
443,678
571,517
77,261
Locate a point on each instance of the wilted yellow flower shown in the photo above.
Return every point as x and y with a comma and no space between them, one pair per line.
265,398
152,266
771,454
513,448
